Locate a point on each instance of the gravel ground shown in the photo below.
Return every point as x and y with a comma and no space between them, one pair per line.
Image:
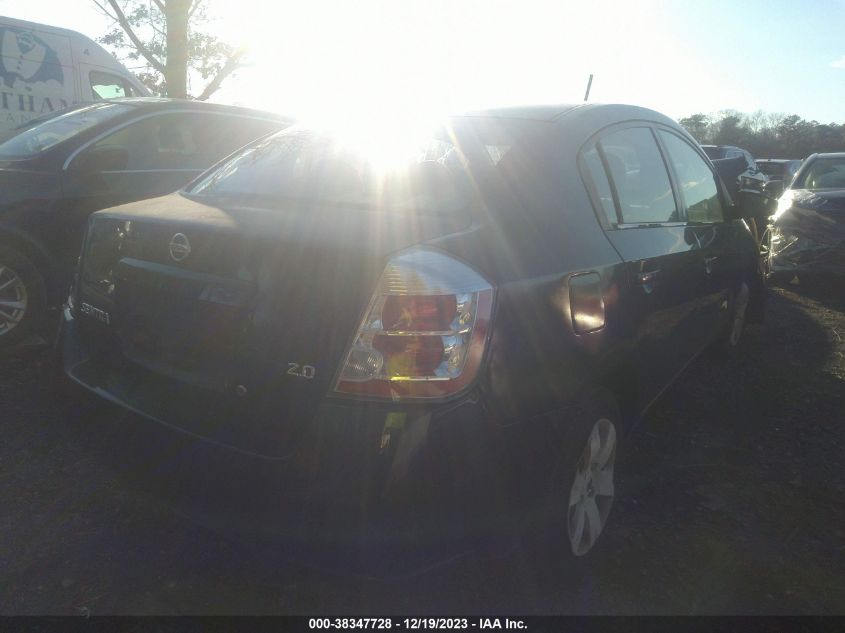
732,502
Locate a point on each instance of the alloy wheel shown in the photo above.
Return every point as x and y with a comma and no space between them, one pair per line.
13,300
591,496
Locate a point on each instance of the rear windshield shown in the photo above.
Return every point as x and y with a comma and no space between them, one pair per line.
823,173
433,176
58,128
307,166
772,169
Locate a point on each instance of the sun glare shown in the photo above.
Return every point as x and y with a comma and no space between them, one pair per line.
348,65
386,139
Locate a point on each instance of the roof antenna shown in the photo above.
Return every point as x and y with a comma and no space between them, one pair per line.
589,85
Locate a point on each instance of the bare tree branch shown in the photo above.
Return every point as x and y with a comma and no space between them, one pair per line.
105,11
120,18
228,68
159,4
194,6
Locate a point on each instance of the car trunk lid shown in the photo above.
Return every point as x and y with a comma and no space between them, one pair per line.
254,306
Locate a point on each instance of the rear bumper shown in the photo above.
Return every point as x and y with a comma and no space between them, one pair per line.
401,486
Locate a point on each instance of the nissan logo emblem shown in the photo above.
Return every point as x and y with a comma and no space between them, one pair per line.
180,247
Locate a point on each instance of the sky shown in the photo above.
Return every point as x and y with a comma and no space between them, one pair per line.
354,59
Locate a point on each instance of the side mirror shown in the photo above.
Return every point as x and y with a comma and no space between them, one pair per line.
773,188
104,158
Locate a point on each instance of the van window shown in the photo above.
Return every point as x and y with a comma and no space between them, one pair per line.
638,173
108,86
696,180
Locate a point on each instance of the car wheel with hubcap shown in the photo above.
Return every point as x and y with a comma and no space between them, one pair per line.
730,338
582,489
22,296
591,494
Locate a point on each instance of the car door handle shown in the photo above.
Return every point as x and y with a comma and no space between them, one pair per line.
708,264
647,278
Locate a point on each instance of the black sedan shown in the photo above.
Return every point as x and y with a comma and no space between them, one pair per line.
807,236
54,173
404,355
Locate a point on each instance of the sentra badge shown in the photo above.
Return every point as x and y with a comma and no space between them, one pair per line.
100,315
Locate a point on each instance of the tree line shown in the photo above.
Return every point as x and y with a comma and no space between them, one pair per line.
766,135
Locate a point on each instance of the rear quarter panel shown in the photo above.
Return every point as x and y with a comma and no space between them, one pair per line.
539,232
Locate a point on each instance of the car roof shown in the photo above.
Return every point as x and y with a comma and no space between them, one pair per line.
529,112
830,155
163,103
572,112
579,122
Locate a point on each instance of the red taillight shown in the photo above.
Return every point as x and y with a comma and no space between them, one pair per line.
425,330
411,356
413,313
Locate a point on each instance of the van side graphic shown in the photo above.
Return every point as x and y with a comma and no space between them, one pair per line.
25,56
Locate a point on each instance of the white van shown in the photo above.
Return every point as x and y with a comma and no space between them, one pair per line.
46,68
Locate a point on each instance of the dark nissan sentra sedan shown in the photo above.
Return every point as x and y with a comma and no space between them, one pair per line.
808,232
412,357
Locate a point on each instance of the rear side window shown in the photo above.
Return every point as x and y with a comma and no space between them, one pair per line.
225,134
165,141
639,175
190,141
696,181
598,176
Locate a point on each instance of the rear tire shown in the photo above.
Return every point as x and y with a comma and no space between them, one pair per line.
581,492
23,297
731,338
